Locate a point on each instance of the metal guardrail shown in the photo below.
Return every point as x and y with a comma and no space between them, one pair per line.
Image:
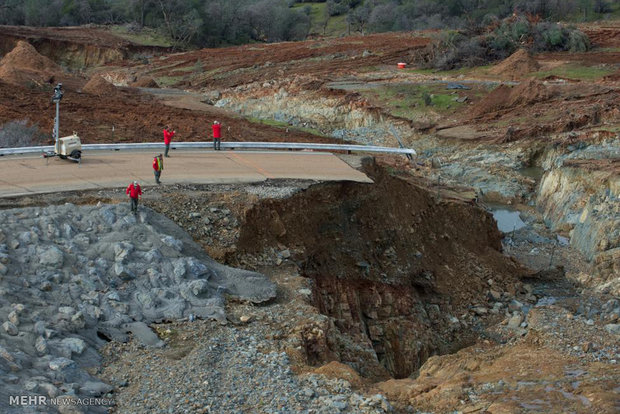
209,144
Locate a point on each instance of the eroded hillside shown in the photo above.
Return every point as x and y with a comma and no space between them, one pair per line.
402,295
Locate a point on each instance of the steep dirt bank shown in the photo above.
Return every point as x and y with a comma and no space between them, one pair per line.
76,48
325,58
389,263
129,116
542,357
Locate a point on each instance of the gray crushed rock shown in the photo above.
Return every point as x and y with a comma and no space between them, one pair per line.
75,276
229,370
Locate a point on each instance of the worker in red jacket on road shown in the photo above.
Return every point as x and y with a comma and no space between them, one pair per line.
158,167
168,134
217,135
134,191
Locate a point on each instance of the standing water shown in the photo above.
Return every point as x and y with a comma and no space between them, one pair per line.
507,220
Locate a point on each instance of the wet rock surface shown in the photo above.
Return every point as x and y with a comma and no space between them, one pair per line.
580,195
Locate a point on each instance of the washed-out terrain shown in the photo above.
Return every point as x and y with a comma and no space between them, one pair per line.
481,276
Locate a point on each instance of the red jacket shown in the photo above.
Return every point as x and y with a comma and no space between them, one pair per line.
168,136
217,130
134,192
157,164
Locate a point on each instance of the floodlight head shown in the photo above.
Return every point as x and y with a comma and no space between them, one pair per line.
57,93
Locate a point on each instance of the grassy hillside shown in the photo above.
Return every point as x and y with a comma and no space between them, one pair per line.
321,23
145,37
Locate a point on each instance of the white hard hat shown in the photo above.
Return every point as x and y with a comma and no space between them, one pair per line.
135,183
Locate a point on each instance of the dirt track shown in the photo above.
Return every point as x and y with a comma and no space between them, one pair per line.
28,175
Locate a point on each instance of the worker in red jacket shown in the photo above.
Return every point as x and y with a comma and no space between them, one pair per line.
217,135
134,191
158,167
168,134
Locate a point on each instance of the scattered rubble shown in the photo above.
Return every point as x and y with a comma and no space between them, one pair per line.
80,276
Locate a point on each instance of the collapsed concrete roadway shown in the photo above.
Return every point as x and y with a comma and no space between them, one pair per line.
23,175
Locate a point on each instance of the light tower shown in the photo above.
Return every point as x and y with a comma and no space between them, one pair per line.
58,93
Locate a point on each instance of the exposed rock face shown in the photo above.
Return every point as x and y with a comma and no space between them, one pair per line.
346,116
580,194
107,273
392,271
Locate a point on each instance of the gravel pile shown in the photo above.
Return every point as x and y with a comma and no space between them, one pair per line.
227,370
72,277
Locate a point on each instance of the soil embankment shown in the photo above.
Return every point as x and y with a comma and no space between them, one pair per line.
76,48
25,66
517,66
389,262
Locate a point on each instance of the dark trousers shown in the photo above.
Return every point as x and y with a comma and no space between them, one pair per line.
167,149
134,204
157,175
216,143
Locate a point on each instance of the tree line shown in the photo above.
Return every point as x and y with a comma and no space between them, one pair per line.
221,22
405,15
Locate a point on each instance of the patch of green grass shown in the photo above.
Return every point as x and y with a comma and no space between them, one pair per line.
317,15
610,128
334,26
575,71
184,69
166,81
408,101
481,70
608,49
146,36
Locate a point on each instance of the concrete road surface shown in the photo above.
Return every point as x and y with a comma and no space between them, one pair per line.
21,175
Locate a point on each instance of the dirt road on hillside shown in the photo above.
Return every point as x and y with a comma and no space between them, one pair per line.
28,175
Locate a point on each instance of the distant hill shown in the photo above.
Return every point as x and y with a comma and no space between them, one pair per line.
211,23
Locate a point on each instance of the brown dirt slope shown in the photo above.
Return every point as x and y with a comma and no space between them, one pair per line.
99,86
145,82
136,117
378,262
25,64
518,65
228,67
76,47
604,35
506,97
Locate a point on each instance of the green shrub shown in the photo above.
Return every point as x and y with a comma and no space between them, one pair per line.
578,42
470,48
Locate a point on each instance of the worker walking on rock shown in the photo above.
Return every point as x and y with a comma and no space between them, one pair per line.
168,134
217,135
158,167
134,192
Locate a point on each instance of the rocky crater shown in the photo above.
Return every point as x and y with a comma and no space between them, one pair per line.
397,269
